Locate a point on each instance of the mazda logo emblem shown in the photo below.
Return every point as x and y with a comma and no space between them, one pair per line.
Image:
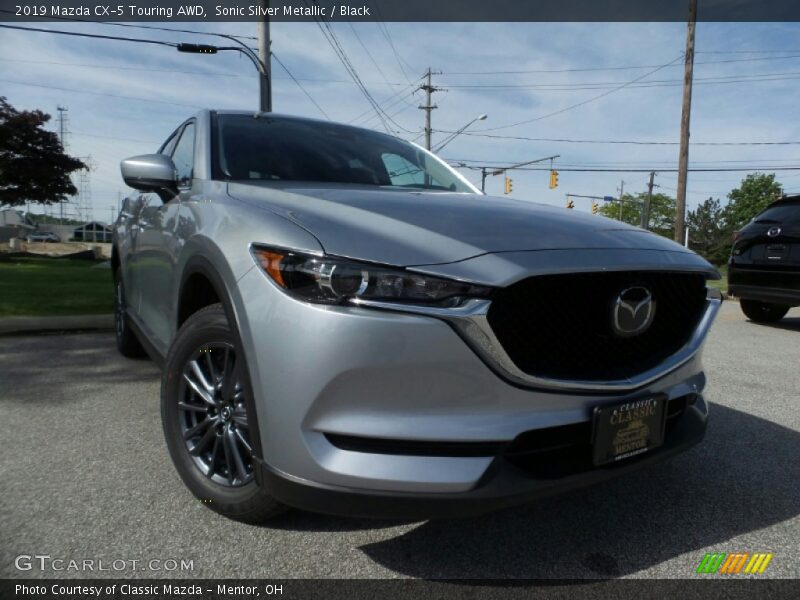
774,231
632,311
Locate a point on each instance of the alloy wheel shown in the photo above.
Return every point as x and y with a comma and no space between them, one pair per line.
213,415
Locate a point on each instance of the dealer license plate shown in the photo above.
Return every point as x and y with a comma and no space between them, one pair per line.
624,430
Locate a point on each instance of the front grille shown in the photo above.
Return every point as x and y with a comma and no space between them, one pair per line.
559,326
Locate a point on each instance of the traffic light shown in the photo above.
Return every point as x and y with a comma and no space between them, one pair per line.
509,185
570,203
595,207
197,48
553,179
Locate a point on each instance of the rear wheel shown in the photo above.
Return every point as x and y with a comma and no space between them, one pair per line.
763,312
208,427
127,342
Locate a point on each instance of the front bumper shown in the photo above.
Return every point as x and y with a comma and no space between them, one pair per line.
322,372
503,485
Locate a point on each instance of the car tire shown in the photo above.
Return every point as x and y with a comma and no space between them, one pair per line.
205,357
127,342
763,312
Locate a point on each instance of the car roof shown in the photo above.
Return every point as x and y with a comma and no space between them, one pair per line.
256,113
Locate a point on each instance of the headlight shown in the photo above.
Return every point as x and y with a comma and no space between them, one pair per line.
336,281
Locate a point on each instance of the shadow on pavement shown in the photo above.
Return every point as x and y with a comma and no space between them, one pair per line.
787,323
46,368
742,478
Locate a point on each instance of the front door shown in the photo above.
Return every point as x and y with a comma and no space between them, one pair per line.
159,245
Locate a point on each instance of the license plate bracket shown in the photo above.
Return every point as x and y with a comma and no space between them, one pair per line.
629,428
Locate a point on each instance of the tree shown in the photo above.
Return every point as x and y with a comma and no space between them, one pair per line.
631,210
662,212
709,233
33,165
756,191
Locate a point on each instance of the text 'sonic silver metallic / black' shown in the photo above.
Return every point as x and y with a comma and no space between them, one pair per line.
346,325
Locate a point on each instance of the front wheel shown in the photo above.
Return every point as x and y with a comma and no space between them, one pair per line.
204,409
763,312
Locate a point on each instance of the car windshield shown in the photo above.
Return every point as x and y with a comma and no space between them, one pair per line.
783,212
285,149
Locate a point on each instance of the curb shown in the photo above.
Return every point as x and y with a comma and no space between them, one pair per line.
17,325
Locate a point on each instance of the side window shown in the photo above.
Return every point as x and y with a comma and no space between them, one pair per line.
402,172
183,156
169,145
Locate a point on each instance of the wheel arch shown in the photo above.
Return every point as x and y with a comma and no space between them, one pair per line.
200,275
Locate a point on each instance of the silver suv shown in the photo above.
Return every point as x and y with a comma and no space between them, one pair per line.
347,325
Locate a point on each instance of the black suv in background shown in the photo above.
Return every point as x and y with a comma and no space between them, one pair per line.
764,267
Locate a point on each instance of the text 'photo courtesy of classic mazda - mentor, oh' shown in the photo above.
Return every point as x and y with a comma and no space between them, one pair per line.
346,325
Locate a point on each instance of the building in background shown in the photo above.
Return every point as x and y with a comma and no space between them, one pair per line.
14,224
93,231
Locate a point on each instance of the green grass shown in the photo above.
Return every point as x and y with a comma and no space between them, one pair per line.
43,287
721,284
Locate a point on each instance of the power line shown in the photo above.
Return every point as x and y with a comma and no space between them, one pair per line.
386,100
384,29
640,170
63,89
656,164
333,41
618,68
130,25
394,114
184,72
721,79
367,52
241,37
631,142
112,137
288,72
584,102
744,51
91,35
752,162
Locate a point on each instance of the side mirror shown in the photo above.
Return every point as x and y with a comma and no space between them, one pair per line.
150,172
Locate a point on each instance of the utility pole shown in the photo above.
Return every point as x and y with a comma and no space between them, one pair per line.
686,110
621,192
646,208
483,179
62,130
428,88
265,57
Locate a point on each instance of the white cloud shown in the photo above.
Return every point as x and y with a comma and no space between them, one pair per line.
170,80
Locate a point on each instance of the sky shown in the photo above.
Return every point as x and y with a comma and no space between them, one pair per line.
124,98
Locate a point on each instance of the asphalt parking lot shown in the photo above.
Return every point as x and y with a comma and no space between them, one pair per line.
86,474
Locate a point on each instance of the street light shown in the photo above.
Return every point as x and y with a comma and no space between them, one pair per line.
263,71
455,134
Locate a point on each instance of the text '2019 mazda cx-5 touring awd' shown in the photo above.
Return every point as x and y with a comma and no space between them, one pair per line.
347,325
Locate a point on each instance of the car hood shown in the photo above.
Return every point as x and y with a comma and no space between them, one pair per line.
411,228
